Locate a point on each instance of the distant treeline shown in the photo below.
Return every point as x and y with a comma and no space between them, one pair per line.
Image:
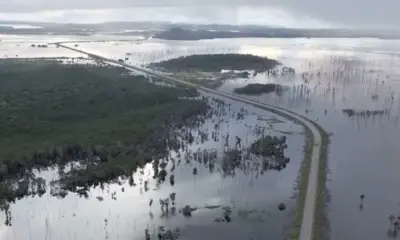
177,33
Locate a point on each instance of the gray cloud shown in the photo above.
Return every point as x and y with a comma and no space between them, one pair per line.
354,13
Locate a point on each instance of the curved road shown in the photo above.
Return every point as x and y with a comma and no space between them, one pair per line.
306,231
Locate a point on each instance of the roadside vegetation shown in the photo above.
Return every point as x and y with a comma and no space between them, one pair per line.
321,224
102,117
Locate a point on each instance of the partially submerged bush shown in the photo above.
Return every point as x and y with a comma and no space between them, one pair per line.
231,160
187,211
281,206
272,151
365,113
269,146
258,88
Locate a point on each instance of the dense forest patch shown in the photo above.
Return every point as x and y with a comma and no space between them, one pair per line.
102,117
217,62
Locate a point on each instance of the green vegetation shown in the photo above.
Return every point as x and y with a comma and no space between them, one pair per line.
301,188
210,79
217,62
206,70
103,117
321,224
271,146
259,88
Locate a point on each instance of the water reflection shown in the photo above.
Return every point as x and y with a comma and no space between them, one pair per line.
213,181
333,76
355,97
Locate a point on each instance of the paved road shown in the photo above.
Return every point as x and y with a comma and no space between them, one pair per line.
306,232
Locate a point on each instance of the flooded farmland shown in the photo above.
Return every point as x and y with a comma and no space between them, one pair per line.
349,86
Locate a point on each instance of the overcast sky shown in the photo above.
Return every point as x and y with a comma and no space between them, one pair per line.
289,13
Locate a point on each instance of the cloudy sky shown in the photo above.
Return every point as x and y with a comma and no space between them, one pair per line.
289,13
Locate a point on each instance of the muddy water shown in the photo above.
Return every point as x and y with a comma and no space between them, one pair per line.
361,74
122,211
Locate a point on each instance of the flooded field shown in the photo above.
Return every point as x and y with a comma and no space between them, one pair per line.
332,77
202,190
349,86
354,95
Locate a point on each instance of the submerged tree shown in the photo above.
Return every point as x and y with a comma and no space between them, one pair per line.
172,179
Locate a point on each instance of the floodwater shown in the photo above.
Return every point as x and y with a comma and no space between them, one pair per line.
364,151
20,46
331,75
251,193
20,26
